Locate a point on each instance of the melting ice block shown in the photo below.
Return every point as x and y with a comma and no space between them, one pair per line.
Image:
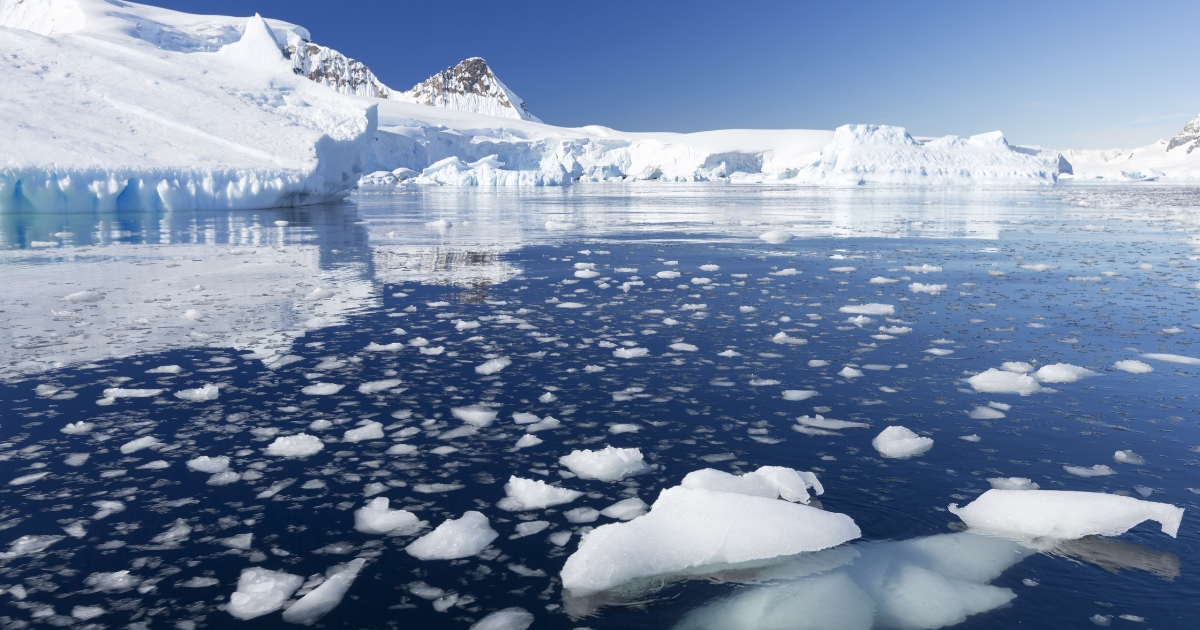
325,597
376,518
528,494
900,443
993,381
609,464
455,538
693,529
1062,373
1063,514
507,619
299,445
771,482
261,591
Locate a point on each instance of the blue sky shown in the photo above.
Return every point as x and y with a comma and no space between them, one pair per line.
1060,74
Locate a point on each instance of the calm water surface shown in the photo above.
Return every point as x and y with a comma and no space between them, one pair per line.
424,286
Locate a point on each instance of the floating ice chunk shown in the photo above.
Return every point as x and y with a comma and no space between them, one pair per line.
900,443
322,389
545,424
76,459
592,369
868,309
630,353
1133,366
582,515
924,268
1099,470
694,529
1062,373
319,601
775,237
115,582
374,387
299,445
369,431
821,422
376,518
176,532
785,272
395,346
1012,483
318,293
529,528
507,619
798,394
882,280
144,442
493,365
1128,457
240,541
1019,367
783,338
83,297
28,545
559,226
667,274
610,464
84,613
474,415
849,372
969,438
527,441
210,465
46,389
261,591
402,449
224,478
993,381
683,347
626,509
985,413
931,289
106,509
859,320
522,417
1039,267
465,430
1063,514
119,392
528,494
1171,358
200,394
77,428
455,538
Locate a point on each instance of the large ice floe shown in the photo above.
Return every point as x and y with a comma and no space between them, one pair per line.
110,105
1063,514
713,521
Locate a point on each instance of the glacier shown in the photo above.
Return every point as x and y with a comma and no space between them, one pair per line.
111,105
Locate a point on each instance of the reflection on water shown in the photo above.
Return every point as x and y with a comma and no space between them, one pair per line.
392,303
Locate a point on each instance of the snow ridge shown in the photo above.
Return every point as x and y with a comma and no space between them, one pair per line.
1189,136
329,67
469,86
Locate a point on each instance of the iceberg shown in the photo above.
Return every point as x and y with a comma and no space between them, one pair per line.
1063,514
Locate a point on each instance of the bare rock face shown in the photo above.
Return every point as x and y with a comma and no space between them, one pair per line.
1189,137
330,67
469,86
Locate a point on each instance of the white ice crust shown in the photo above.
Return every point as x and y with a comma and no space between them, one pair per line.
901,443
530,494
609,464
1063,514
455,538
693,529
261,591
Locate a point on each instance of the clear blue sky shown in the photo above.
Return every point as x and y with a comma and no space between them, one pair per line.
1061,74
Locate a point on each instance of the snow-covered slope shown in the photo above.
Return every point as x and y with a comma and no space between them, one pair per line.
463,149
109,105
471,87
1176,159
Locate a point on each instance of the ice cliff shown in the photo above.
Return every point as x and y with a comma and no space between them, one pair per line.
113,105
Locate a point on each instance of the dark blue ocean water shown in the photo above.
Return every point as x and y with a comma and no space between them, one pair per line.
494,260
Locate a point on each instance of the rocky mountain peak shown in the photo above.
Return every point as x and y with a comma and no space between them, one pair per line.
1189,137
470,86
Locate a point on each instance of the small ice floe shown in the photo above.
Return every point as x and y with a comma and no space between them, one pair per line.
985,413
492,366
868,309
199,394
455,538
1171,358
882,280
993,381
1063,514
1012,483
610,464
474,415
77,428
324,598
630,353
527,441
376,518
689,529
820,425
83,297
559,226
683,347
1062,373
785,272
530,494
242,542
798,394
849,372
369,431
625,509
298,445
374,387
119,392
322,389
1039,267
667,274
931,289
210,465
970,438
623,427
900,443
924,268
261,591
28,545
775,237
1099,470
529,528
144,442
509,618
782,337
1128,457
1133,366
165,369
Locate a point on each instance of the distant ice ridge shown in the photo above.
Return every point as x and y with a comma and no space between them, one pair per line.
1174,159
459,149
112,105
